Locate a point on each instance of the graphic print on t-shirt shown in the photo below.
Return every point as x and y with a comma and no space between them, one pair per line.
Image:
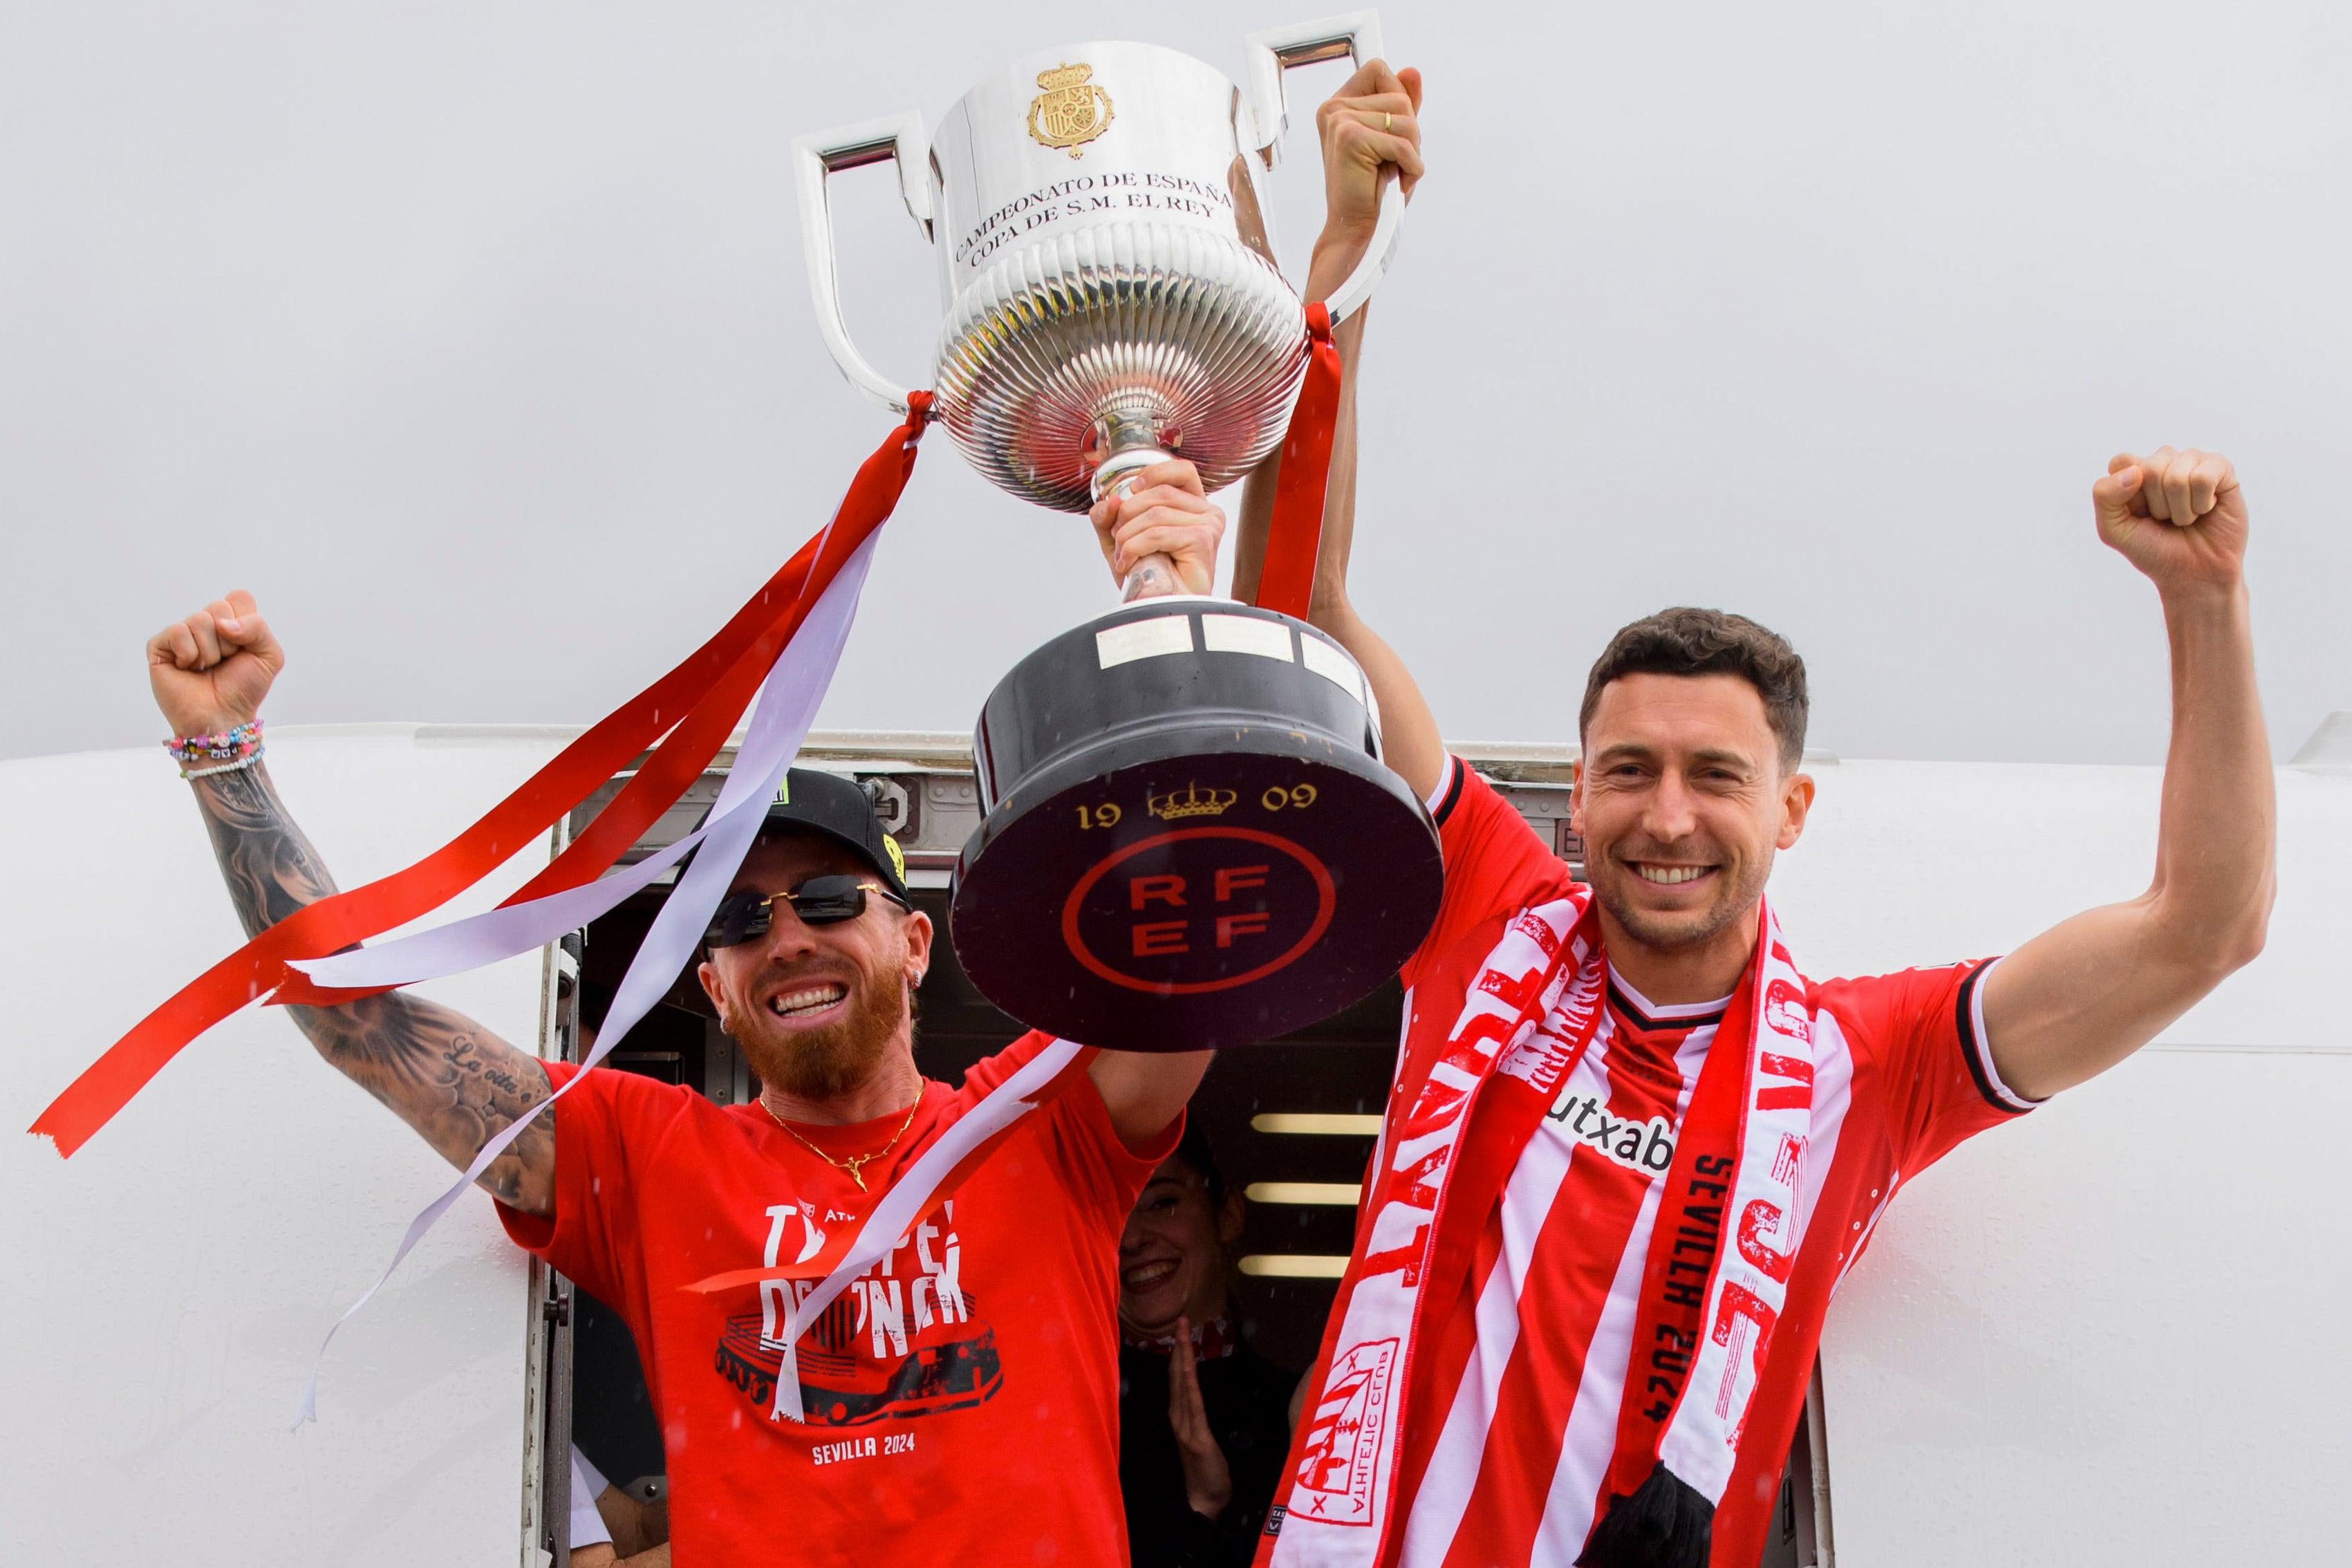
904,1340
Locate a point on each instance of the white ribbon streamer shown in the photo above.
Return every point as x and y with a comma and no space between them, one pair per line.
786,706
778,727
909,1199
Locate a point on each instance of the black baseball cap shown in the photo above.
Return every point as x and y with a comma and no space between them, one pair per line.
834,807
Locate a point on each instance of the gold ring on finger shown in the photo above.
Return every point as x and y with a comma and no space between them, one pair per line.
1388,120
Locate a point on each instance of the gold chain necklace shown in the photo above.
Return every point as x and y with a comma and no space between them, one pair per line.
856,1164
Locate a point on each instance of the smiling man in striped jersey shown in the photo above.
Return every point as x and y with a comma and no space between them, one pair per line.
1630,1149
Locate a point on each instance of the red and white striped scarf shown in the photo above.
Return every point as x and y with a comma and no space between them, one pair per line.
1526,1020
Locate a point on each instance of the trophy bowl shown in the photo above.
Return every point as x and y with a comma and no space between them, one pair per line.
1109,289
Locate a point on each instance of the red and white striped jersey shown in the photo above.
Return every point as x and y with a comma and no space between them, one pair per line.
1561,1262
1509,1412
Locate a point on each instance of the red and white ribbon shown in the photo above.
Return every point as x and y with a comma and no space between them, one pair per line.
787,705
782,645
686,716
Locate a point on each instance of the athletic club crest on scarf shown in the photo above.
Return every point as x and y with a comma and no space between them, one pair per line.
1715,1279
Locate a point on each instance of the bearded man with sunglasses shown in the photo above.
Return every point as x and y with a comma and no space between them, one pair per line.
959,1396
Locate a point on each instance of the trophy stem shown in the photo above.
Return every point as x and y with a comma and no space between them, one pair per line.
1123,443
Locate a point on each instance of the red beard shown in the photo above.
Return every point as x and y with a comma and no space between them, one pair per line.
826,1062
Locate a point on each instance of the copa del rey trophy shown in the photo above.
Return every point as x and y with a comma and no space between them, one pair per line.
1190,838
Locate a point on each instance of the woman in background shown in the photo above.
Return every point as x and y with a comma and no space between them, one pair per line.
1203,1418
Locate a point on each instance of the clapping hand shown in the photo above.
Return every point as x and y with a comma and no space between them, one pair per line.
1208,1482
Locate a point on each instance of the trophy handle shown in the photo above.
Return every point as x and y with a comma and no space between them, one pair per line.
815,158
1357,35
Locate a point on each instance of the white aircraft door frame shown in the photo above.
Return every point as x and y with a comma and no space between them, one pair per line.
167,1288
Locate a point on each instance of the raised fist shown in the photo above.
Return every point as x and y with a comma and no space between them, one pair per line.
211,670
2179,517
1166,513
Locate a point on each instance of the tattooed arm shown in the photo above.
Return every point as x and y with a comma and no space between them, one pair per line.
448,1078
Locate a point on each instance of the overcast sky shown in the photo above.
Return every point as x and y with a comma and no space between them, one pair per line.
474,339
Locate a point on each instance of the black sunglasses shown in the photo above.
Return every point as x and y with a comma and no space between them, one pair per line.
744,915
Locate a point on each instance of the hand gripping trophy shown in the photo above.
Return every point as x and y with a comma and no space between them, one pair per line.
1185,801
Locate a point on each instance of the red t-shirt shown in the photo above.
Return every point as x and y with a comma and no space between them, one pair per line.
961,1395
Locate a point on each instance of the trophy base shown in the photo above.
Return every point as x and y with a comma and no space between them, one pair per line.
1198,846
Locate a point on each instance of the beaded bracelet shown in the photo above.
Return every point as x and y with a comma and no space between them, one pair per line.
232,749
244,761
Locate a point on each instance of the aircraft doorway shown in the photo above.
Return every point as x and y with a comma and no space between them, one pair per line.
1292,1122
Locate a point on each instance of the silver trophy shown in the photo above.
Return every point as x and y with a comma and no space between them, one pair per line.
1108,280
1190,838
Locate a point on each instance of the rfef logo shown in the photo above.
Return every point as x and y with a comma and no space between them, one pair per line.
1197,909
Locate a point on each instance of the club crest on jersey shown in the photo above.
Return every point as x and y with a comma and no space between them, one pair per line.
1644,1146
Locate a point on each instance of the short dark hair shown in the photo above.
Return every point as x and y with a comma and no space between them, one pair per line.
1192,1147
595,1001
1685,641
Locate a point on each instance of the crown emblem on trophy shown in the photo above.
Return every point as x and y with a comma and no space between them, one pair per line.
1195,802
1071,112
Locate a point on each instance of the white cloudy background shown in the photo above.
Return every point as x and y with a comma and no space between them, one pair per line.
474,339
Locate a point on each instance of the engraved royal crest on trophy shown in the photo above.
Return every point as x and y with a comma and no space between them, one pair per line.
1195,802
1072,110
